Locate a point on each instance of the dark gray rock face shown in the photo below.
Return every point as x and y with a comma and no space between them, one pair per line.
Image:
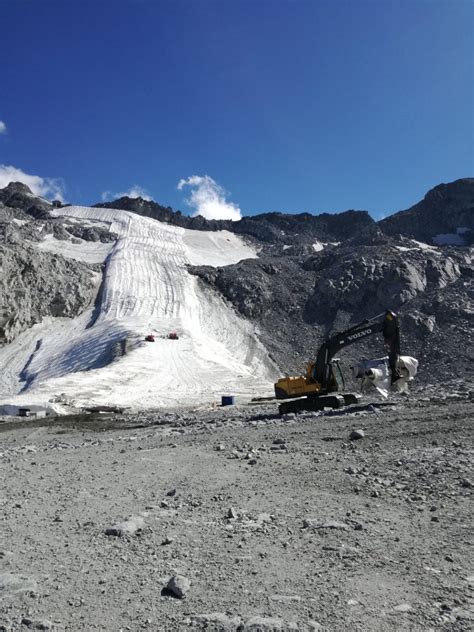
36,284
161,213
375,277
268,228
18,196
443,210
297,302
303,228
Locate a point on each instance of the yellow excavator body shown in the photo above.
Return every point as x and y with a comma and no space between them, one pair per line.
297,385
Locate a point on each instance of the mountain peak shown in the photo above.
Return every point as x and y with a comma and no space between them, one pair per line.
17,187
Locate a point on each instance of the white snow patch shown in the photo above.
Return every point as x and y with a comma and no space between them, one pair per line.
219,248
418,245
318,246
423,246
146,288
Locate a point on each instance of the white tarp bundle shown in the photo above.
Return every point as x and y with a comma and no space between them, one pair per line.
376,374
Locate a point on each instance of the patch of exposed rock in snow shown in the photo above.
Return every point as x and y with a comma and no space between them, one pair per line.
87,251
101,358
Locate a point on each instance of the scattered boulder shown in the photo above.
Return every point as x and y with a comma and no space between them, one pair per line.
132,526
232,513
177,587
356,435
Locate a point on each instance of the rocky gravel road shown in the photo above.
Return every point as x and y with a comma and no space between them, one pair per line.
238,519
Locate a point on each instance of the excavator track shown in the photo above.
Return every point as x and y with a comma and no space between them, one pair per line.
318,403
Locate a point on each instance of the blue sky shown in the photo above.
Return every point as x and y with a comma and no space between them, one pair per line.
288,105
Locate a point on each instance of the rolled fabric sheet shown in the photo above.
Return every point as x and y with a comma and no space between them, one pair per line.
376,374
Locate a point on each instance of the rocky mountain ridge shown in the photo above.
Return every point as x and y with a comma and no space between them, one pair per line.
445,210
315,274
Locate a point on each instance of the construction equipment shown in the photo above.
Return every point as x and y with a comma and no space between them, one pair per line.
316,388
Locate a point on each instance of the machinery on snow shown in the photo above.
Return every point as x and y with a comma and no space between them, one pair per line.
319,387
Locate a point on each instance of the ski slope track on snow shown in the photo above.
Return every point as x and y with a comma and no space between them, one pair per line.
62,364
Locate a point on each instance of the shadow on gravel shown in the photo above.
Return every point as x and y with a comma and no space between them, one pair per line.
337,412
82,422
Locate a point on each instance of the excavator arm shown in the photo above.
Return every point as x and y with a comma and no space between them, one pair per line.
386,323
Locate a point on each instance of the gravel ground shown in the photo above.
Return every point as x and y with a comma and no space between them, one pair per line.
265,523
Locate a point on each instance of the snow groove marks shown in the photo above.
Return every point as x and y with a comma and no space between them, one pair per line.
144,273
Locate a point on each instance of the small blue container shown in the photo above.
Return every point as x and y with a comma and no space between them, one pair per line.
228,400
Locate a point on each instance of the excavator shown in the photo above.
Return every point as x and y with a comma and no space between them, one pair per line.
318,388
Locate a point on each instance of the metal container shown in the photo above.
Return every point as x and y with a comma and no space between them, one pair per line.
228,400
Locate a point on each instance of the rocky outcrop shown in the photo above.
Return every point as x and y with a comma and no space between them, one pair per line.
268,228
444,210
90,233
149,208
18,196
376,277
34,285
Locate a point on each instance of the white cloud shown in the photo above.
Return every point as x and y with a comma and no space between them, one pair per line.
51,188
209,199
133,192
3,128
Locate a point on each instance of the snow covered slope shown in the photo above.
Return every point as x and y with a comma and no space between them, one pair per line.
146,289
